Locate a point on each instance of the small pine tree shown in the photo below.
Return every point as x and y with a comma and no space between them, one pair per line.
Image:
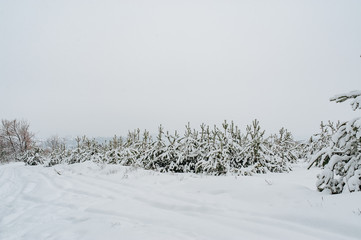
189,150
318,145
129,153
343,170
255,151
282,149
172,153
218,159
33,157
155,158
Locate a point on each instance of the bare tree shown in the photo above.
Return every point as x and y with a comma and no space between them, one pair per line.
54,142
15,137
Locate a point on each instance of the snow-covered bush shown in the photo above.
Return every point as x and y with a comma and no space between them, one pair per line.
33,157
342,172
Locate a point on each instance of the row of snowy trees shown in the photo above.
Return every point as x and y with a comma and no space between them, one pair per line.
206,150
336,149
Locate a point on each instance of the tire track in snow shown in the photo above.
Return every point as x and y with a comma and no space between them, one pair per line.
199,211
33,193
132,191
191,210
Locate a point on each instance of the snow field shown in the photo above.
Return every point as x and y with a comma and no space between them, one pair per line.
98,201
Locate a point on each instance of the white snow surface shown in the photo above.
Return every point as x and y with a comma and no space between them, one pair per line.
96,201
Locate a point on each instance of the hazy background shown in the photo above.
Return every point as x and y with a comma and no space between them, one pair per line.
103,67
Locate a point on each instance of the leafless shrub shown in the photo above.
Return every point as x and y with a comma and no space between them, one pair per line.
15,139
54,143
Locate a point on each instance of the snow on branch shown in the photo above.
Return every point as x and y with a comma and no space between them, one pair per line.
354,95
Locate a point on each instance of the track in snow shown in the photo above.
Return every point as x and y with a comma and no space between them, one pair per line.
89,201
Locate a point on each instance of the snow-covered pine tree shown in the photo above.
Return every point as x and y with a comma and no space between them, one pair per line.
112,154
206,146
227,148
282,151
129,153
92,151
255,153
235,147
215,160
33,157
189,150
57,156
143,150
172,153
154,158
86,150
342,173
74,155
318,145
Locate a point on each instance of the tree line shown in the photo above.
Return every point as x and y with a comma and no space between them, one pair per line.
211,150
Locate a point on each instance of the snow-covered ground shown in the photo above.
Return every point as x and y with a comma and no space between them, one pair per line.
90,201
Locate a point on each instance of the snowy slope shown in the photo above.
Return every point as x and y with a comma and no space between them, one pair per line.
90,201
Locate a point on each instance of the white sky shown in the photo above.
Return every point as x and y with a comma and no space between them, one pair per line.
104,67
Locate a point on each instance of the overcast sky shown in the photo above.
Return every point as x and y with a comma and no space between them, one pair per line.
103,67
